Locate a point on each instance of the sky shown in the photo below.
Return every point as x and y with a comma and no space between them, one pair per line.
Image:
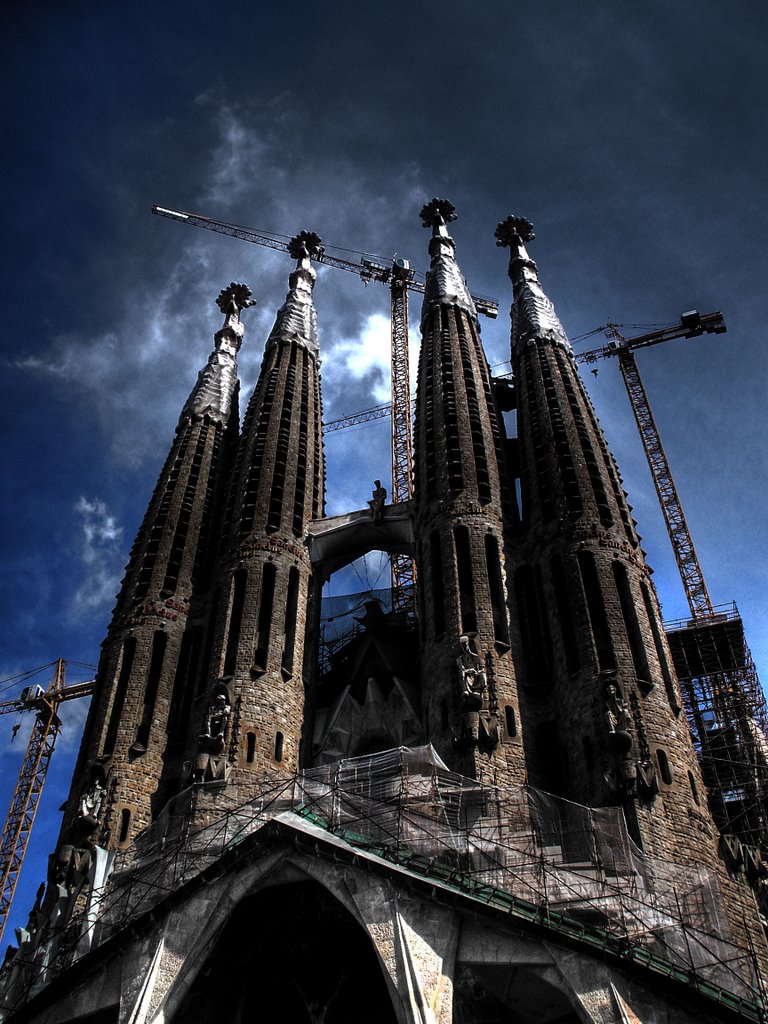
632,134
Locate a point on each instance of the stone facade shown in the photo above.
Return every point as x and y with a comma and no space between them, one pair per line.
461,891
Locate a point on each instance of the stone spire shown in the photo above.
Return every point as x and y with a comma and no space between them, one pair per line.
296,320
445,283
252,715
533,315
129,758
462,507
216,384
603,720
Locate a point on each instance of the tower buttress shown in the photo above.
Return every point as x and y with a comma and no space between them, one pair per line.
146,671
252,718
462,508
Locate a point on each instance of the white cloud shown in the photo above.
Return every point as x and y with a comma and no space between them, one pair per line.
366,359
101,554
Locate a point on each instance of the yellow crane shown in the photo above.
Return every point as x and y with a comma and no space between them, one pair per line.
29,785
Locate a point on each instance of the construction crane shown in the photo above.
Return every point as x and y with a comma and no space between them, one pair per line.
692,325
29,786
401,279
724,702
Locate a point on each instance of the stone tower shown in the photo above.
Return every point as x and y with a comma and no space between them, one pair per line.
604,720
145,658
252,718
549,860
462,509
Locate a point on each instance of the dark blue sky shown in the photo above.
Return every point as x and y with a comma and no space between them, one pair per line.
633,135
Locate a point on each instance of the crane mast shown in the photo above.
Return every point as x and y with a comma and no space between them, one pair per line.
692,324
29,785
403,569
682,543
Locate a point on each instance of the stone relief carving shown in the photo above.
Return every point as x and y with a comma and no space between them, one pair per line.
479,705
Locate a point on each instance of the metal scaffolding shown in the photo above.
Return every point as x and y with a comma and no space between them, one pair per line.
728,718
571,870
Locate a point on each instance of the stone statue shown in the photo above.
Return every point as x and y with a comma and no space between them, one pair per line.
617,713
378,500
473,682
218,713
620,739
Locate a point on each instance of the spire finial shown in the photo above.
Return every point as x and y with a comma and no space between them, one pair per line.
234,299
305,246
534,317
436,214
513,231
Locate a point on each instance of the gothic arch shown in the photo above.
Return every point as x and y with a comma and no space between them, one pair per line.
308,954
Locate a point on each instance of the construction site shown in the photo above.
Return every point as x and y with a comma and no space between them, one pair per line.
501,788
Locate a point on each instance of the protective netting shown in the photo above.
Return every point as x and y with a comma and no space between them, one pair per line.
560,864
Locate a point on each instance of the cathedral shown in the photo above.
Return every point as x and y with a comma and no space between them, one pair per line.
483,808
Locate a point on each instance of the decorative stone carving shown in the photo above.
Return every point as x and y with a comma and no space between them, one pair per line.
620,740
479,722
210,764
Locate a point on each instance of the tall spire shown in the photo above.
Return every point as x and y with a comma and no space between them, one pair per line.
462,503
296,319
252,715
605,722
445,284
217,382
129,758
533,314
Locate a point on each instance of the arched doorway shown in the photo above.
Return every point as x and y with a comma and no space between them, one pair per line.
294,951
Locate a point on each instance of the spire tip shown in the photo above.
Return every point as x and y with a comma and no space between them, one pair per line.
513,231
305,246
437,213
235,298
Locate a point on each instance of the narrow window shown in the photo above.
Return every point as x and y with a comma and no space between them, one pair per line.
565,616
129,650
552,759
159,644
453,446
438,591
496,586
261,653
282,448
666,773
601,633
534,628
694,789
250,747
466,588
291,609
210,636
235,621
125,825
509,720
661,654
632,626
279,746
185,680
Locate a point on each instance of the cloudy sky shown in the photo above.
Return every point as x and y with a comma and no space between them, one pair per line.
633,135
